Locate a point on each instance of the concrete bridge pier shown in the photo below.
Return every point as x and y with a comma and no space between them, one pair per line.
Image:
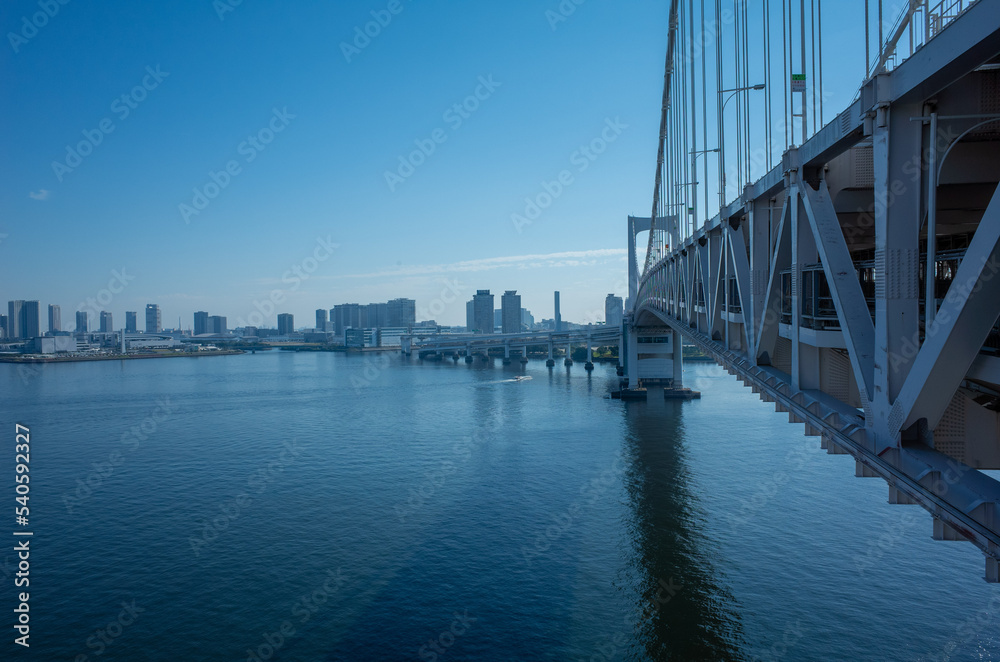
632,359
677,390
678,347
569,355
524,354
468,353
506,354
630,389
621,355
549,362
589,365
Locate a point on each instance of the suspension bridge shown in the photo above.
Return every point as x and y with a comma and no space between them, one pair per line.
841,262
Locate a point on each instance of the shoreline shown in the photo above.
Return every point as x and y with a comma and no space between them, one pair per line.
111,357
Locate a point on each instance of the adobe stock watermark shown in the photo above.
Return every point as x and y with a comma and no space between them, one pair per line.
449,294
102,638
599,315
363,35
304,609
223,7
580,159
898,187
435,479
958,294
122,106
707,36
454,116
28,371
766,490
231,510
130,440
116,285
31,26
888,538
892,536
648,609
293,278
791,636
460,624
372,370
590,493
562,12
969,629
249,149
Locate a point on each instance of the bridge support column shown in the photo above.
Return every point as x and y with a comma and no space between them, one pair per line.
589,365
632,362
569,354
551,360
678,347
524,354
468,353
897,233
506,354
621,353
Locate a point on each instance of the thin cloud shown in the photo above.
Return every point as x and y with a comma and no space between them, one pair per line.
40,194
536,261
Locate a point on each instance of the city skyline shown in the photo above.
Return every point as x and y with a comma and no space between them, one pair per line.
120,301
284,177
91,320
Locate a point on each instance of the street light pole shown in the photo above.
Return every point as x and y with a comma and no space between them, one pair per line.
694,194
722,143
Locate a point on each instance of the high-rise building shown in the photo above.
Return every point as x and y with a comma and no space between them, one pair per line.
131,321
216,324
286,324
200,322
82,324
510,307
107,325
31,320
482,311
470,315
378,315
15,310
153,322
614,310
55,318
321,319
558,317
401,312
527,319
4,323
346,316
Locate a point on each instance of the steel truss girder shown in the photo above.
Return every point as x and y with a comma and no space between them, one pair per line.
960,497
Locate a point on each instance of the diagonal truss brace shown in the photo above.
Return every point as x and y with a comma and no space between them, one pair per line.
960,327
849,300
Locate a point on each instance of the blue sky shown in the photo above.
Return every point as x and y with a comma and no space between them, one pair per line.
309,129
